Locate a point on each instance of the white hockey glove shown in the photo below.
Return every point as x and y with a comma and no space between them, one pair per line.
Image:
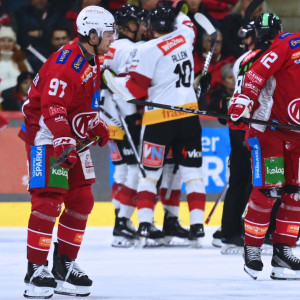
240,106
117,85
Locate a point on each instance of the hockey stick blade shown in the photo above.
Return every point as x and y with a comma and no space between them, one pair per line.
213,114
204,23
250,10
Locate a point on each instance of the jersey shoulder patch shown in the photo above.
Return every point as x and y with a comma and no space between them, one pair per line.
78,63
63,56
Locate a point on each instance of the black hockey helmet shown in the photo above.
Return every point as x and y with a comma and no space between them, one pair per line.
247,30
127,13
162,19
267,26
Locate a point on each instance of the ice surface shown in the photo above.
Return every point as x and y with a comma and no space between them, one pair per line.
149,274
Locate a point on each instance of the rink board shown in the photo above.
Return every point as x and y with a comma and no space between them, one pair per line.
16,214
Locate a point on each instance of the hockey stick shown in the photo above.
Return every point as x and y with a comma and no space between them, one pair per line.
63,157
109,116
213,114
211,31
250,10
130,140
37,54
219,200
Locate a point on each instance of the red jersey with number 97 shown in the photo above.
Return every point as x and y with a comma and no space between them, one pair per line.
63,97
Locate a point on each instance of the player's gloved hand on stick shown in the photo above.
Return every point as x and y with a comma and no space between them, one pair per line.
98,128
240,106
61,144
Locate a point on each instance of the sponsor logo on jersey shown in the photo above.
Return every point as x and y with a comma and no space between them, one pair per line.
153,155
36,79
78,63
111,53
255,229
87,74
274,170
169,45
295,55
63,56
293,229
249,56
88,163
256,159
60,119
58,177
284,35
170,153
127,151
255,78
252,87
189,23
45,241
191,154
95,100
37,166
100,59
55,110
82,122
294,43
297,61
114,151
294,110
78,238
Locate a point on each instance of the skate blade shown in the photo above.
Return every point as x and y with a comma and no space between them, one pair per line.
266,249
174,241
65,288
217,243
279,273
122,242
230,249
151,243
38,292
196,243
252,273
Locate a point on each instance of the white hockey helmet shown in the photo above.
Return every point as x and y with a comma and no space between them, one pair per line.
95,19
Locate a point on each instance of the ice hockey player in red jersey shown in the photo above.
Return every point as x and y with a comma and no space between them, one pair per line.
61,113
271,93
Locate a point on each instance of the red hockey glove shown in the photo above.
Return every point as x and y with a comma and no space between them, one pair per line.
98,128
60,145
240,106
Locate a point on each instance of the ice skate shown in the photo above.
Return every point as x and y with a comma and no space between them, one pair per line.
71,280
150,236
285,265
233,245
40,282
196,234
253,264
216,242
124,233
175,234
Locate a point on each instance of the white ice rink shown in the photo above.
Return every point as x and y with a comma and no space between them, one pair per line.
149,274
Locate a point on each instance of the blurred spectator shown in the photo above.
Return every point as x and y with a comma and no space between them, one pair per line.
12,59
35,22
215,67
194,7
231,25
144,4
14,97
4,16
219,9
59,37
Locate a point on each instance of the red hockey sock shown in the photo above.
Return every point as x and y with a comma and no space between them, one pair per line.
70,233
39,238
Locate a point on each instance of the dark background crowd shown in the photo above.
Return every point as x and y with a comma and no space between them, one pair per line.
47,25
